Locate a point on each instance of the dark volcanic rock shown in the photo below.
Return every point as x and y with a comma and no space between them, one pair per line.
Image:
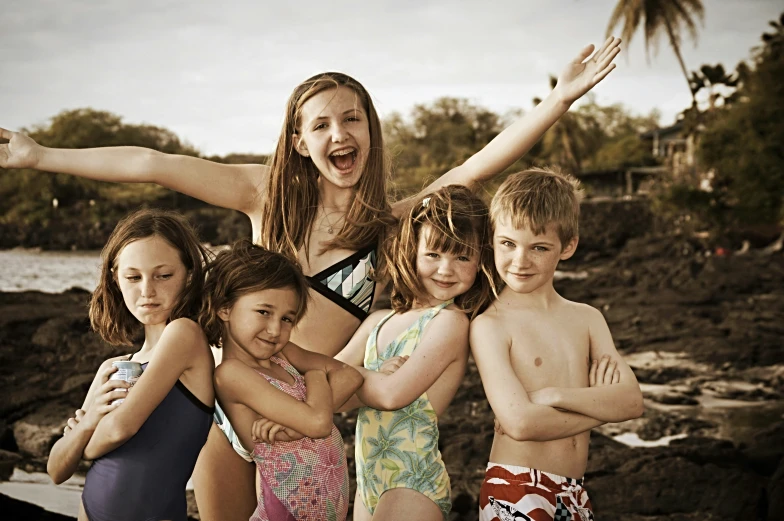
8,460
717,309
699,477
48,357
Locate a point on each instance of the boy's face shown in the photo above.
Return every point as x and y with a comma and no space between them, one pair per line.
526,261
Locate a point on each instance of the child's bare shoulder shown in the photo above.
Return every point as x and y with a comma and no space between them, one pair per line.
451,317
585,314
491,326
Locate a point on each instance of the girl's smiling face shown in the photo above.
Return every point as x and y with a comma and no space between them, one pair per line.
258,325
444,275
334,133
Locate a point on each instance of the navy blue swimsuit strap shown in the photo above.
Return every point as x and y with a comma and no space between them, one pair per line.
188,394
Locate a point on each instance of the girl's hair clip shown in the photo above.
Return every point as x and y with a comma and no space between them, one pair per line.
425,202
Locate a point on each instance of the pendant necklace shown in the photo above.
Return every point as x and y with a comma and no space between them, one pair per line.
330,225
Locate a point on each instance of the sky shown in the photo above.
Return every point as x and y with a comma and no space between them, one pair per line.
218,74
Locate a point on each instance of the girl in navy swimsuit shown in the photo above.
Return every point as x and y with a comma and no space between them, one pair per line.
322,200
145,447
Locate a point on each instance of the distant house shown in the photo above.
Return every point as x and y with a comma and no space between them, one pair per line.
620,182
675,148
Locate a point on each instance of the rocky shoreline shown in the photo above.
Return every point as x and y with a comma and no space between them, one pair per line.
703,333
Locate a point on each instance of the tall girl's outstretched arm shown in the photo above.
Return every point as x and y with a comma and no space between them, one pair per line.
229,186
577,78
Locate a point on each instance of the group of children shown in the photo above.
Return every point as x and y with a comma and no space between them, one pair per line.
460,275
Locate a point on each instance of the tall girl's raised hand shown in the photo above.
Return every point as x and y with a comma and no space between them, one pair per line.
20,151
580,75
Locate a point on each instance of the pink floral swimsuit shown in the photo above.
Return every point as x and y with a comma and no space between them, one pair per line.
304,480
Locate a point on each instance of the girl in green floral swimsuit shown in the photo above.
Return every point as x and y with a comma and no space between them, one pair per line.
413,357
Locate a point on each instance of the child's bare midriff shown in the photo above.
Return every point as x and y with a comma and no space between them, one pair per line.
549,348
567,457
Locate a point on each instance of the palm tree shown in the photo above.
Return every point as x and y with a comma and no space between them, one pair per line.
670,16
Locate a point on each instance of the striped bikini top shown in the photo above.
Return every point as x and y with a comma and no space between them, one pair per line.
348,283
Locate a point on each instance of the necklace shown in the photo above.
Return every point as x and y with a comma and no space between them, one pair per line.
330,224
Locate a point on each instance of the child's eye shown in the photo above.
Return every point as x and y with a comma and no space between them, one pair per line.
166,276
263,312
133,278
541,248
320,126
463,258
508,244
432,255
352,118
288,319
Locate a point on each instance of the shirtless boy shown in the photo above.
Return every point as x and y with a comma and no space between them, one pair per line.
548,365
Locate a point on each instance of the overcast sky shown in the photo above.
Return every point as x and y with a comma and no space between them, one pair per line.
218,74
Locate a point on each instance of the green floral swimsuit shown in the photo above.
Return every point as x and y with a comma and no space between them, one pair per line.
399,449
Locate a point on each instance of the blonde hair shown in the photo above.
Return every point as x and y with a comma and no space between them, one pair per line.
245,268
109,316
459,225
538,197
292,191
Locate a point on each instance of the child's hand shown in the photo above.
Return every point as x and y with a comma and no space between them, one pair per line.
268,431
20,151
580,76
109,391
73,422
603,372
392,364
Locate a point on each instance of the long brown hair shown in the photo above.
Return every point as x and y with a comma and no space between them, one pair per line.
241,269
292,194
459,225
109,315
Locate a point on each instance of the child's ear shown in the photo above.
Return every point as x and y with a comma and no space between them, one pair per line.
223,314
300,146
570,248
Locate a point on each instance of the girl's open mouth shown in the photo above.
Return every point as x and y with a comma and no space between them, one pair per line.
344,159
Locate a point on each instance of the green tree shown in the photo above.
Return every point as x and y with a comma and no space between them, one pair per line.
743,144
86,210
716,81
28,194
436,138
670,17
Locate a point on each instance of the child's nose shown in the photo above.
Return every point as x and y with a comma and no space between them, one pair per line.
445,266
273,327
521,259
338,133
148,288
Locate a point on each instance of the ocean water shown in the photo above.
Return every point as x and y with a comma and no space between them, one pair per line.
50,272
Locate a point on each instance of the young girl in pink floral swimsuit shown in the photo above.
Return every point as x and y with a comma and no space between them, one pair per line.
272,390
